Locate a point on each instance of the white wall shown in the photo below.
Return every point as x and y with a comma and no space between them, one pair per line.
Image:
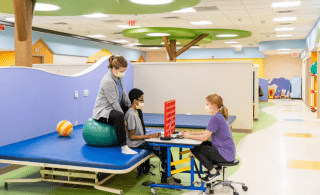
190,82
62,59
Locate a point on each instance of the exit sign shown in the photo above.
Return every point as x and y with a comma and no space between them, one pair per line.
1,27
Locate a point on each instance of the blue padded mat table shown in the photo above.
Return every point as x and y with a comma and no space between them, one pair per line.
73,151
182,120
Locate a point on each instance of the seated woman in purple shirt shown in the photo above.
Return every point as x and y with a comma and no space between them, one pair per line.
222,147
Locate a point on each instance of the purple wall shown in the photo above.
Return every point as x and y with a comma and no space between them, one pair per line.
263,83
32,102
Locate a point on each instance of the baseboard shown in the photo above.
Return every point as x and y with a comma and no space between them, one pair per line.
255,120
10,168
241,130
263,100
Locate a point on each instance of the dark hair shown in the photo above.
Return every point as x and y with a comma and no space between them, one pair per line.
117,62
134,94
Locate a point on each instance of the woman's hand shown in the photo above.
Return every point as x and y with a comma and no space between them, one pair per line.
155,135
185,134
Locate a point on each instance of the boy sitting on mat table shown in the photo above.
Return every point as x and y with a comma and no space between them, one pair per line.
136,134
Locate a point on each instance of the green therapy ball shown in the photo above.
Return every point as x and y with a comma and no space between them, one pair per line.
314,68
99,134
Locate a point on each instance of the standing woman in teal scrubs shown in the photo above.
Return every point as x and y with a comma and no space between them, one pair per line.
112,101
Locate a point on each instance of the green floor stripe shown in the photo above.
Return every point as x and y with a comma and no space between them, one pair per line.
126,182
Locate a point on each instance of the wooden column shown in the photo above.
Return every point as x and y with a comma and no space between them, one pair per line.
173,47
23,12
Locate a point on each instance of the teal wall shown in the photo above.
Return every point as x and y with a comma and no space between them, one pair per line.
69,46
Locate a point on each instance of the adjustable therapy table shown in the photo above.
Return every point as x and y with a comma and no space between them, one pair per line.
181,121
68,159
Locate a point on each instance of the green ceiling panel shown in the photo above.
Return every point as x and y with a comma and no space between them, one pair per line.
83,7
183,41
182,35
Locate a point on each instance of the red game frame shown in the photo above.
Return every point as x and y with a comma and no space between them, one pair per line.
169,117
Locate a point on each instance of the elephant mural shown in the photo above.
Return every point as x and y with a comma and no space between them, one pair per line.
282,84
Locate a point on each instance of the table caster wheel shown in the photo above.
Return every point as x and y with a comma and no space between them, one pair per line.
235,193
154,191
245,188
6,186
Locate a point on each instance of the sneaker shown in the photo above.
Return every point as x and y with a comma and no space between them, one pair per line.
171,181
211,177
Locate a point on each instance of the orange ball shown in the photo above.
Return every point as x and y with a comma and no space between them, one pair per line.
64,128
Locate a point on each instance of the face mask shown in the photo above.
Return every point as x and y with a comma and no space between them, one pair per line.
140,105
208,109
120,74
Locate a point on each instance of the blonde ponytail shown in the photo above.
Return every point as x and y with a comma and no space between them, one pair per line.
217,100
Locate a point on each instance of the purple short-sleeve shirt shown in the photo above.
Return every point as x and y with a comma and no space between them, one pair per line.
221,137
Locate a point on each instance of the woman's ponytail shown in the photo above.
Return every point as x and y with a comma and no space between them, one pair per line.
224,112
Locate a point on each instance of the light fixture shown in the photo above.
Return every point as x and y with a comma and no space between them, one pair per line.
283,52
201,23
284,29
154,47
134,44
186,10
227,35
285,19
162,43
127,26
151,2
231,42
158,34
121,41
236,45
96,36
286,4
283,49
10,19
96,15
195,47
46,7
283,35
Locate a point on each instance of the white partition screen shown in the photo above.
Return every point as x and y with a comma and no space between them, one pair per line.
190,83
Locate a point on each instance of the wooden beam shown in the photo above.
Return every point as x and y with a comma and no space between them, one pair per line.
173,47
166,43
23,10
192,43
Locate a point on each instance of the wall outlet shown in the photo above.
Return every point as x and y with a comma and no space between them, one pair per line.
86,93
76,123
76,94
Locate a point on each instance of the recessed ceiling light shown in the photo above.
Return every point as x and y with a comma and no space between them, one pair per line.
10,19
151,2
154,47
158,34
121,41
134,44
286,4
283,52
96,15
186,10
231,42
227,35
96,36
283,35
236,45
284,19
283,49
284,29
46,7
201,23
127,26
162,43
195,47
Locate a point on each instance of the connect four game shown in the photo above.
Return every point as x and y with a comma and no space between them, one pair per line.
169,117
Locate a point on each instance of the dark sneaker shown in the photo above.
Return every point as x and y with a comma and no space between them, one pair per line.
211,177
171,181
176,180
